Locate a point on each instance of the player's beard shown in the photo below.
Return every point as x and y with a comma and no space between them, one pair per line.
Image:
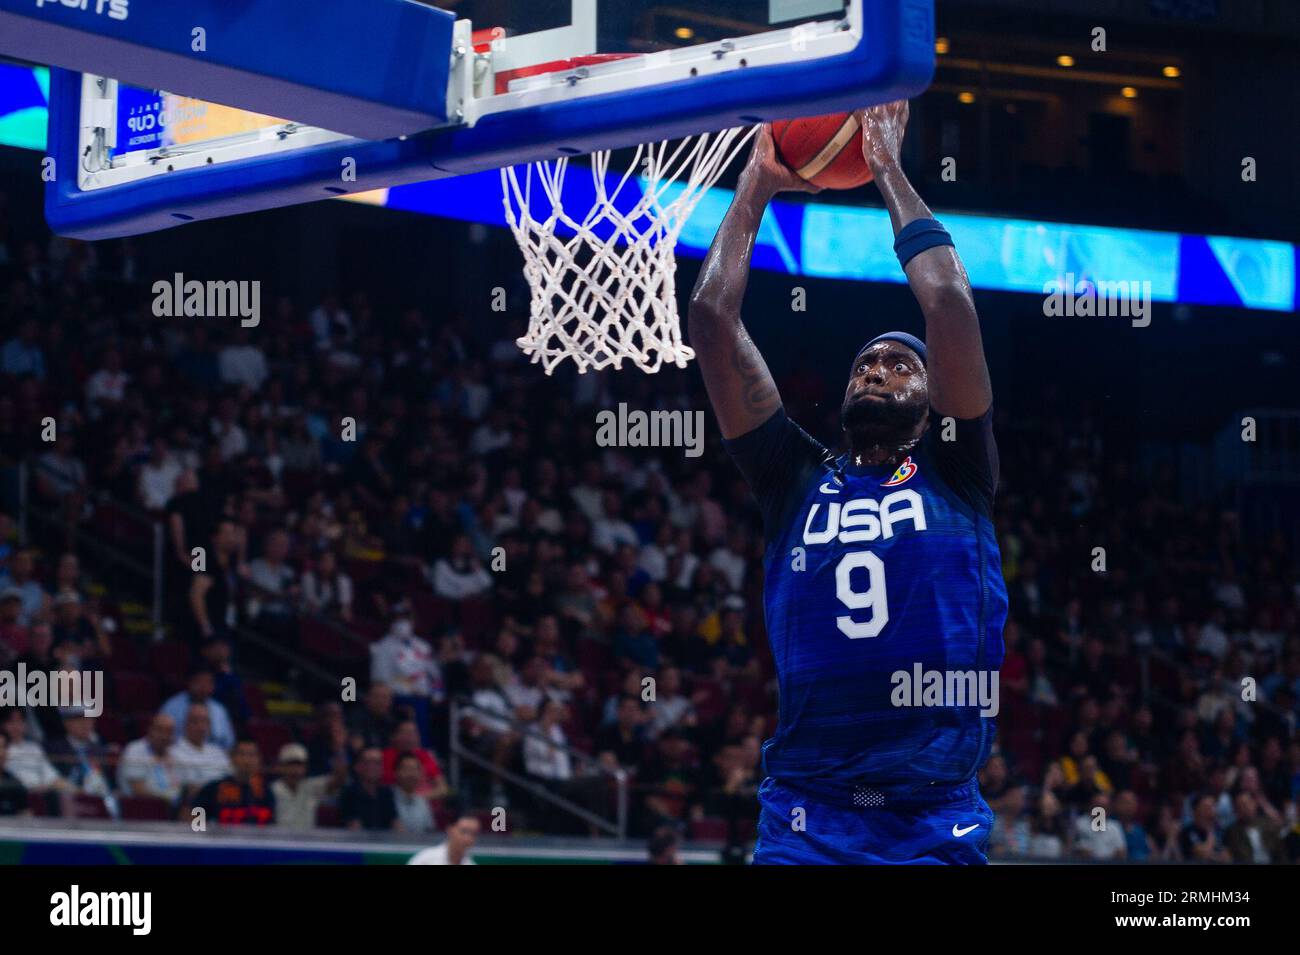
886,424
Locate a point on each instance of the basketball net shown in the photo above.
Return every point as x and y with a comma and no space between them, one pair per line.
604,286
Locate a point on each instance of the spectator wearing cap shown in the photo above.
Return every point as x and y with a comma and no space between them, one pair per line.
413,811
199,692
366,803
82,758
297,795
13,794
461,837
407,664
80,639
147,767
198,760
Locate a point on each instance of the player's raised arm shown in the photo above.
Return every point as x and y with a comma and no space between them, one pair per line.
959,376
740,387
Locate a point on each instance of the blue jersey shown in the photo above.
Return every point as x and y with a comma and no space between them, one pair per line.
879,581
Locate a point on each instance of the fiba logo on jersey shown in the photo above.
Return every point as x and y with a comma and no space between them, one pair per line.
902,475
113,9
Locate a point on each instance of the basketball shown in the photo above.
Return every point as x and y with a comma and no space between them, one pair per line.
825,150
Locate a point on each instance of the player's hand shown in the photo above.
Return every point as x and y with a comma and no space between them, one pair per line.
883,128
766,171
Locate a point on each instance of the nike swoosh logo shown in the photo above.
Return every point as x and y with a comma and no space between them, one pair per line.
827,489
959,832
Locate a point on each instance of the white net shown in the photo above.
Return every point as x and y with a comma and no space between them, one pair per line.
603,286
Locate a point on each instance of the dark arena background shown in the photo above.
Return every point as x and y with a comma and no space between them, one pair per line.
261,513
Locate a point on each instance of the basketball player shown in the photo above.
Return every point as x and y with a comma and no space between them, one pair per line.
881,563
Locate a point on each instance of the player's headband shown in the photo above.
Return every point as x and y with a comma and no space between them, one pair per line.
911,341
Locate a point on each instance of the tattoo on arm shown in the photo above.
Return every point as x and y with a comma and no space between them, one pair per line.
757,387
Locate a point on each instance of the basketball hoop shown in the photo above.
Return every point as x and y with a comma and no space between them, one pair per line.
604,291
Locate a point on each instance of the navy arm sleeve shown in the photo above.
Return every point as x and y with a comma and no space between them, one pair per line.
777,458
969,462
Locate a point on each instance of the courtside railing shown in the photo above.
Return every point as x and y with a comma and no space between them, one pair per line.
590,767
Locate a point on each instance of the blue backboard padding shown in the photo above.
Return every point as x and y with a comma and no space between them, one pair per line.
895,61
374,69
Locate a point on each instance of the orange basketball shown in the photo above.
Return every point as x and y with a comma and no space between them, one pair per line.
825,150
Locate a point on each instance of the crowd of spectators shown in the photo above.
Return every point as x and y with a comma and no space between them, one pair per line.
399,498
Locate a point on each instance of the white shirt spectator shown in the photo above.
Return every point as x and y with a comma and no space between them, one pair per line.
106,386
273,578
330,324
522,696
668,712
296,808
63,473
488,704
141,764
476,397
1229,594
436,856
1044,845
730,565
608,535
1214,641
458,584
544,754
158,482
589,500
27,762
221,731
230,438
1105,844
654,561
413,811
199,765
326,593
487,439
406,663
243,365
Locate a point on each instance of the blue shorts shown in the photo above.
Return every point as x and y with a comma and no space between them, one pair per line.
935,827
